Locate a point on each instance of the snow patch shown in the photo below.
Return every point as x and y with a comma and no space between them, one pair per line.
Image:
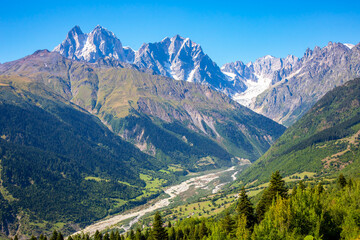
191,75
231,75
254,88
349,45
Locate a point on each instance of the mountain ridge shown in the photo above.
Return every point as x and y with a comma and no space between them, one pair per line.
324,141
274,87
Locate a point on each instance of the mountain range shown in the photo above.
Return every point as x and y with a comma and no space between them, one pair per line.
282,89
81,140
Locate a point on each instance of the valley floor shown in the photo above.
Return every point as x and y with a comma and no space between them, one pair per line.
208,181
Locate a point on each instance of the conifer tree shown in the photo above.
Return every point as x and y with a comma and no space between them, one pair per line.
301,185
276,188
203,230
54,235
245,208
342,181
117,235
180,234
60,236
131,235
172,234
112,235
139,235
228,224
106,236
158,231
319,188
242,231
98,235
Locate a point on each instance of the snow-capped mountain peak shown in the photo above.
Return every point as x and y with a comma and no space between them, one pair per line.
97,44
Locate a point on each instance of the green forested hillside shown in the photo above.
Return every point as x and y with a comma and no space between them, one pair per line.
323,141
59,164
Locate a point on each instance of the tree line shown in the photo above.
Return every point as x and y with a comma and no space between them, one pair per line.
310,212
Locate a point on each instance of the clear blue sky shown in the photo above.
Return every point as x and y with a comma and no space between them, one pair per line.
227,30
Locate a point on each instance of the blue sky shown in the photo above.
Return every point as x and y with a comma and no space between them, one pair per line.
227,30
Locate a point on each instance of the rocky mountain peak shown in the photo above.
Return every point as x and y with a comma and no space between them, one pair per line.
90,47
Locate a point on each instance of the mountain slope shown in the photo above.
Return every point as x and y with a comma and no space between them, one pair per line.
284,89
133,104
257,76
324,140
59,164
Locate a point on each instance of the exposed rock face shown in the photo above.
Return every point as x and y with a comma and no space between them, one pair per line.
283,89
176,57
258,76
294,92
90,47
182,59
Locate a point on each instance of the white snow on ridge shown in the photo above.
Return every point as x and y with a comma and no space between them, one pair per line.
253,90
229,74
349,45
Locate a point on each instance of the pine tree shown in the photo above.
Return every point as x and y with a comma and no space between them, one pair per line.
342,181
131,235
180,234
301,185
138,235
319,188
54,235
112,235
60,236
276,188
158,231
228,224
203,230
106,236
245,208
242,231
172,234
117,235
98,235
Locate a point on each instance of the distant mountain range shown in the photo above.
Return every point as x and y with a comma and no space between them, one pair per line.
176,57
282,89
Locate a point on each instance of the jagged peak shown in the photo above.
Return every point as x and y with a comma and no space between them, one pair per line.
268,57
177,37
100,30
165,39
75,30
